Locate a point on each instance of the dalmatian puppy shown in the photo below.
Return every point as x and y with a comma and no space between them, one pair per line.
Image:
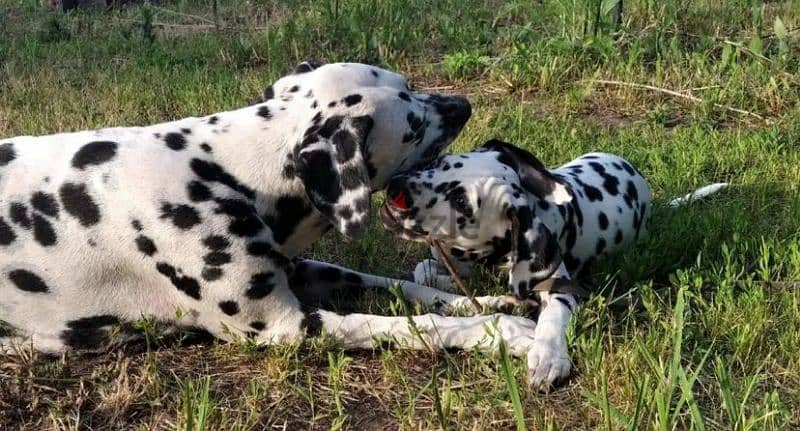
197,222
499,205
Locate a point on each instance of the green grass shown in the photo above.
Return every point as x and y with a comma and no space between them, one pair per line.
696,327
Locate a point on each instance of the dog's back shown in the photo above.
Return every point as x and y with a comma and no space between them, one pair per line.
610,208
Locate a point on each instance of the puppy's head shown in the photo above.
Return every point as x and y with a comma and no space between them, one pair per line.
357,125
482,203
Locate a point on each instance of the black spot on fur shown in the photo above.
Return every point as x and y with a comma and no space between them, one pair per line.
258,325
269,93
602,220
352,99
175,141
7,153
88,332
628,168
213,120
632,192
146,245
79,204
592,193
211,273
216,242
18,213
45,203
403,95
294,89
263,112
198,192
601,245
260,285
137,225
183,216
618,237
185,284
217,258
7,235
43,231
244,221
28,281
94,153
205,147
210,171
231,308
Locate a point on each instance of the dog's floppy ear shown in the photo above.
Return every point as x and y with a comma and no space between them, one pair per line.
534,250
534,176
330,161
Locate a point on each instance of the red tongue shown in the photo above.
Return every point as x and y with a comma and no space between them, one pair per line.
399,201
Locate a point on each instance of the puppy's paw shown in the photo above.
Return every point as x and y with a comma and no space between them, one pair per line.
430,273
547,362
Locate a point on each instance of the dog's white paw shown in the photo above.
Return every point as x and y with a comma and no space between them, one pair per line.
429,273
503,304
547,362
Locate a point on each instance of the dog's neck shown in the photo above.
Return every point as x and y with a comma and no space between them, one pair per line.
255,146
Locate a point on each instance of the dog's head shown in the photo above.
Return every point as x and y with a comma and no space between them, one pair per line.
355,126
482,203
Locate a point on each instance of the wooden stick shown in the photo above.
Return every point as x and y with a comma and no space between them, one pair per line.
456,277
678,94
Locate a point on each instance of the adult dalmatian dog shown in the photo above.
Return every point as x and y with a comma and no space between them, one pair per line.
499,205
198,222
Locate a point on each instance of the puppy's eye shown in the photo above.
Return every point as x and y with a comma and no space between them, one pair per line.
460,202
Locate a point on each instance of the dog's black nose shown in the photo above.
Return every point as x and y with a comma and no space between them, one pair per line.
454,110
461,112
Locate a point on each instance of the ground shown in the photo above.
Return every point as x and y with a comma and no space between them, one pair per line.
697,327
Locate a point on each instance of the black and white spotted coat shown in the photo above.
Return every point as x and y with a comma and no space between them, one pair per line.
499,205
196,222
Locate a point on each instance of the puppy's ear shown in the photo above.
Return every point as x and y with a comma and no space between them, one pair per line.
535,252
533,175
331,163
267,94
307,66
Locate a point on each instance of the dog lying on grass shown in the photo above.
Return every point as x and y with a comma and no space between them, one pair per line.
499,205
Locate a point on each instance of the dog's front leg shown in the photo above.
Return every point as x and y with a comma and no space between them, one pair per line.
316,282
429,331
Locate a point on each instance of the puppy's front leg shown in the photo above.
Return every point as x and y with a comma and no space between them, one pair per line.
548,359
